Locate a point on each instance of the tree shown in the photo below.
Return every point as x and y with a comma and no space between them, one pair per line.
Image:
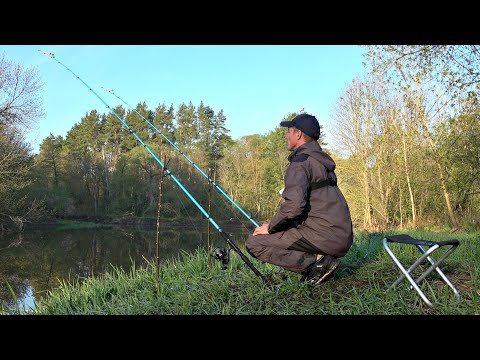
138,125
356,113
15,164
459,147
20,102
114,134
213,135
82,151
456,67
432,78
186,133
242,172
220,137
163,120
49,156
20,107
205,116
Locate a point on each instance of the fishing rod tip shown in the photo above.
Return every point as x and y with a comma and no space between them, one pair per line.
47,53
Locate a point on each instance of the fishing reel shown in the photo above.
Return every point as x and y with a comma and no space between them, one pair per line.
222,255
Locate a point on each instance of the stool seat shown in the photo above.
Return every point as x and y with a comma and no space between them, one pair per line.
448,245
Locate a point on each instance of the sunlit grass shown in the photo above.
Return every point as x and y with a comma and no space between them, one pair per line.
188,286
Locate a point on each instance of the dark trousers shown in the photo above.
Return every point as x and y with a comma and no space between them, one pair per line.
287,249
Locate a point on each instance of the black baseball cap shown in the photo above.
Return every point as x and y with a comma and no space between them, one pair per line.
306,123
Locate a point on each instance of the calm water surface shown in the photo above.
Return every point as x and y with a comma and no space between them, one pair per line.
32,263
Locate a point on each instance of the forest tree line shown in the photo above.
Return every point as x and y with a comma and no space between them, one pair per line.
407,147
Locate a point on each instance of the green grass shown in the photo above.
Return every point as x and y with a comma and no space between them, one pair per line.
187,286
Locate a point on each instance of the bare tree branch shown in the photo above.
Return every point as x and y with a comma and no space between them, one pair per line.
20,104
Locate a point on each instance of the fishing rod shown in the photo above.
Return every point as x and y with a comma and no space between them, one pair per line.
174,178
189,160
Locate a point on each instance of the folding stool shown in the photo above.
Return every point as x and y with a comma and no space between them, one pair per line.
407,273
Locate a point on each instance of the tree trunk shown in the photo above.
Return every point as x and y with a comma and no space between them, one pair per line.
367,218
446,195
441,175
400,203
410,191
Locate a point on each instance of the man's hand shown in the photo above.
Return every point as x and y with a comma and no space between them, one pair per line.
261,230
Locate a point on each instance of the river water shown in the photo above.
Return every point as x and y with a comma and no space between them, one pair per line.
31,263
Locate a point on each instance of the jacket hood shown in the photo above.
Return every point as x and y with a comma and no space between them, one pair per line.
314,150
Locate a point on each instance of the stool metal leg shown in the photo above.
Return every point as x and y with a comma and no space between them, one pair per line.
406,274
415,264
435,265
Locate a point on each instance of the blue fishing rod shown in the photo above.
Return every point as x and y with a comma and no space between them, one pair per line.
174,178
188,159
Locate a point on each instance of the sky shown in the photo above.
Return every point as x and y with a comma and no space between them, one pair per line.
255,85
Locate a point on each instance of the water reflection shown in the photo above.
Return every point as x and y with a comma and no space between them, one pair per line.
33,263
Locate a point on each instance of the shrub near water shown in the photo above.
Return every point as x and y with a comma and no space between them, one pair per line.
187,286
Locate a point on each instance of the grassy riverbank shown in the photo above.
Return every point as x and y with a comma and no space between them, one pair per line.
188,285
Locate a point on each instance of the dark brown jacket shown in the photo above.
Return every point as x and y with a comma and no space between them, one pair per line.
321,214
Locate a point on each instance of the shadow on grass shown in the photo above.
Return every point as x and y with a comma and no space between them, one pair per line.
365,249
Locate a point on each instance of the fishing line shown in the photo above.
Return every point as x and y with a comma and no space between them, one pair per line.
174,178
188,159
234,214
187,213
